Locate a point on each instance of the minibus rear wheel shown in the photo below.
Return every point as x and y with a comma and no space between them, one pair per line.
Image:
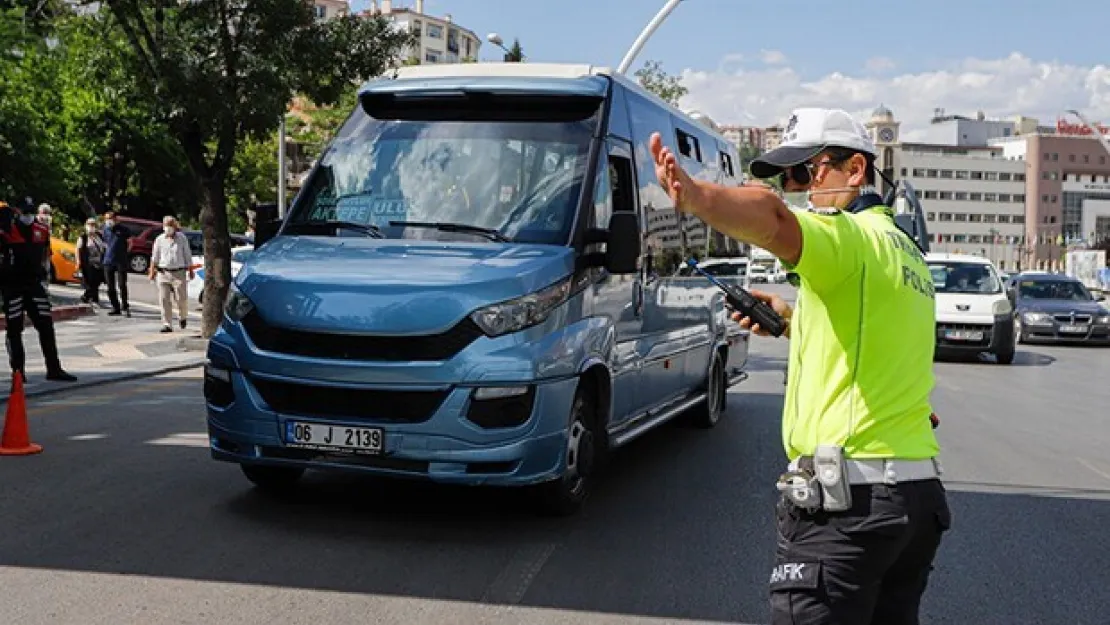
272,479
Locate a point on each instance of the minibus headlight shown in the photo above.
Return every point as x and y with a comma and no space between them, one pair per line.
238,305
522,312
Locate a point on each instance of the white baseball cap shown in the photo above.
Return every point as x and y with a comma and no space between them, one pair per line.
809,132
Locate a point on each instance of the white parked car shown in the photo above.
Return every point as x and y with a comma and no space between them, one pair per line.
974,315
196,285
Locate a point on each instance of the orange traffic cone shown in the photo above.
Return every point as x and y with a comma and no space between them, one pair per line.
17,440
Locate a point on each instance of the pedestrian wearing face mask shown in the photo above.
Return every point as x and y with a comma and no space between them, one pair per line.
171,265
24,242
90,260
863,509
115,264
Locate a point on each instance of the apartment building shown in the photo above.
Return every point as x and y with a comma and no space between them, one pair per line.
1068,185
330,9
440,39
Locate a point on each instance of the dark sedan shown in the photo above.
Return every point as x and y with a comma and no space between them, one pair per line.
1056,308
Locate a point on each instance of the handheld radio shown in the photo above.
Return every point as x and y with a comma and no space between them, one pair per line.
746,304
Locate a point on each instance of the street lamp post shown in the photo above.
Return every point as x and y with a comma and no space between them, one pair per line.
646,34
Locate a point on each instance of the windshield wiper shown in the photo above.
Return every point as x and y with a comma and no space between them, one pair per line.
369,230
490,233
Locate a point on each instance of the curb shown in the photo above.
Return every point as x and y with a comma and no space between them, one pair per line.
60,313
127,377
193,344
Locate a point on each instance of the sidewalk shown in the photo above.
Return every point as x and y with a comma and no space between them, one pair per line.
99,349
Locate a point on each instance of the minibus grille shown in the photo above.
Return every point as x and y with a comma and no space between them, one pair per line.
349,403
360,346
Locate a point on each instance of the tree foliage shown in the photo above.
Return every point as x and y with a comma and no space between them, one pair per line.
222,72
515,53
654,79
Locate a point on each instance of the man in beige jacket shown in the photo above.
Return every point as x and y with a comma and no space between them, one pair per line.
171,266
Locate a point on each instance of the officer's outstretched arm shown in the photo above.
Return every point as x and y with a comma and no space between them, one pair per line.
752,214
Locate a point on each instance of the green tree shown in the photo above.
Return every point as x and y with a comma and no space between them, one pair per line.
515,53
654,79
224,71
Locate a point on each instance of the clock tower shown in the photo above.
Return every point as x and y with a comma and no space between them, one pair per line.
884,132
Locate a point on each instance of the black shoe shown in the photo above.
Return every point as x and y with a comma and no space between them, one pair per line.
183,324
114,313
166,329
127,313
60,376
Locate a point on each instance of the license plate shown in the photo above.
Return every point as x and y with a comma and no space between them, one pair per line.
323,437
1074,329
964,335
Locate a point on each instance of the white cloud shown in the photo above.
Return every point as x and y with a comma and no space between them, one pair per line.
772,57
1014,85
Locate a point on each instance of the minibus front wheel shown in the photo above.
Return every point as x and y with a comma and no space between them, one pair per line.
565,496
272,479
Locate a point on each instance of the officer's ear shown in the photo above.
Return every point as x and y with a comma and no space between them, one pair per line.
857,170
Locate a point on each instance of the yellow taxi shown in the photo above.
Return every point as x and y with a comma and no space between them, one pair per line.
63,262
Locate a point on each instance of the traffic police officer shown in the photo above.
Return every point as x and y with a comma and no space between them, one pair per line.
863,509
24,242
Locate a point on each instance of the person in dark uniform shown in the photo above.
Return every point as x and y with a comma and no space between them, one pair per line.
24,242
115,264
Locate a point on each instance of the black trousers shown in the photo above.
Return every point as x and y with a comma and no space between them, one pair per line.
29,298
115,276
92,277
866,565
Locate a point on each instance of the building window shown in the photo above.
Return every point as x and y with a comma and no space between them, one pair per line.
975,218
1054,199
962,174
432,56
1044,176
974,238
1017,219
904,170
988,218
1071,157
1044,199
930,195
959,238
1003,197
435,31
930,216
946,217
918,172
1102,160
990,175
960,216
1047,156
976,175
321,12
1004,176
931,173
946,173
1055,156
1019,197
945,195
1086,158
960,195
1003,219
1052,219
1019,177
976,197
417,27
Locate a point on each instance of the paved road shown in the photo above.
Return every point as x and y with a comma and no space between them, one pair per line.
124,519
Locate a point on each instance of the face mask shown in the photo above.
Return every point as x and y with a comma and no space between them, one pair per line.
170,230
826,198
27,219
90,229
797,199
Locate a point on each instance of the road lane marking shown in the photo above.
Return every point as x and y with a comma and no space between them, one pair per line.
514,580
1092,467
183,439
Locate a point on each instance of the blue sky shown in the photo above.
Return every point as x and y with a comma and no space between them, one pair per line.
817,40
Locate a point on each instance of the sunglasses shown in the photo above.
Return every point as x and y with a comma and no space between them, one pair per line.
804,173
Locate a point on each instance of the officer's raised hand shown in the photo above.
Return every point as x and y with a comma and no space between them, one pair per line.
675,181
778,304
